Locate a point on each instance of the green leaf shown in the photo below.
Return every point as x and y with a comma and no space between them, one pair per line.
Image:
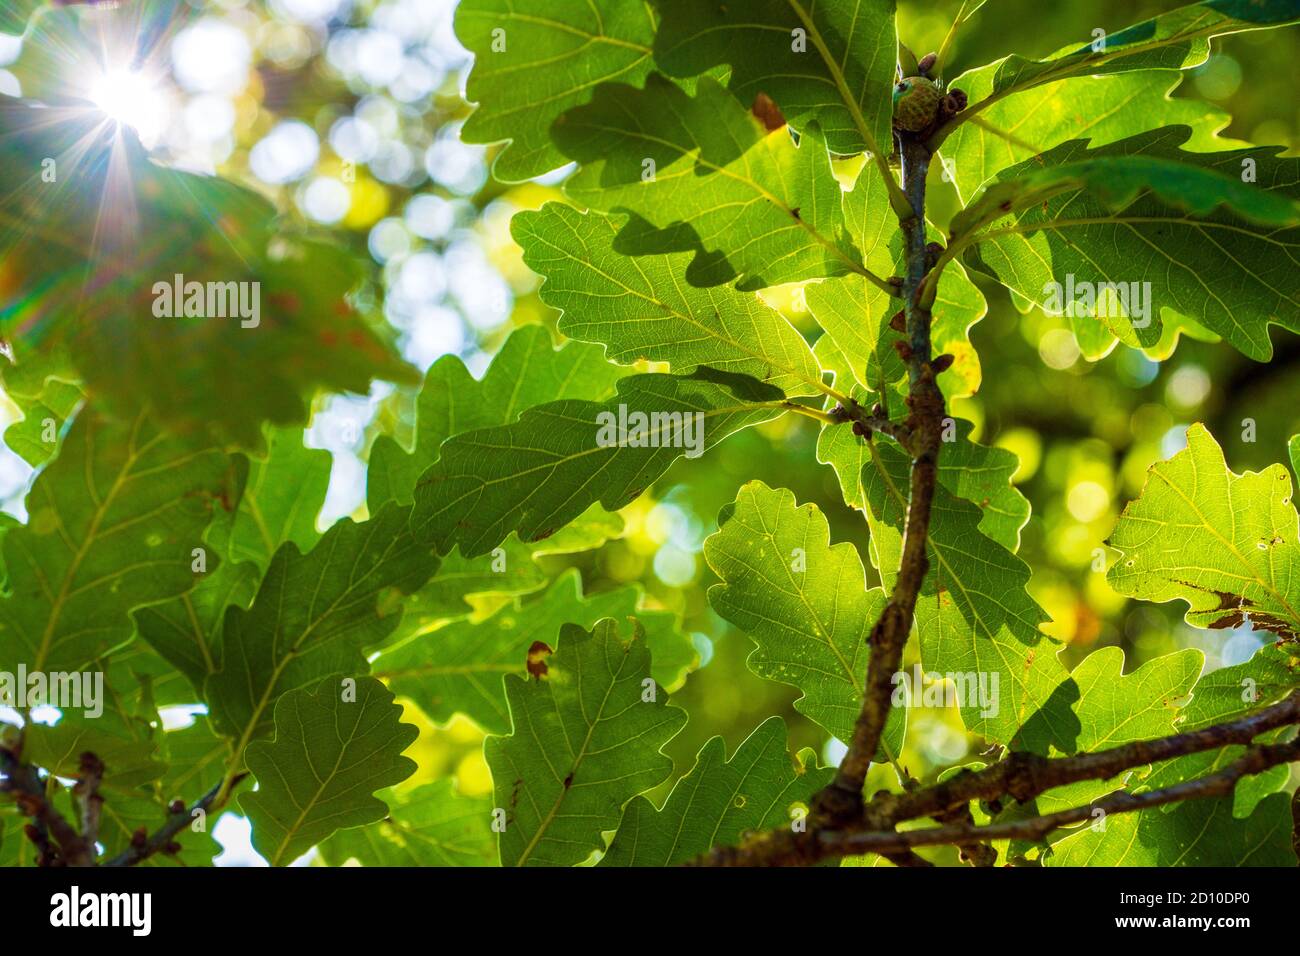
44,416
126,748
539,473
1190,182
459,667
196,761
587,738
432,825
712,180
124,228
186,631
282,499
640,309
1227,544
1235,691
1116,708
1102,109
113,521
1194,833
1181,228
509,569
854,312
804,602
719,800
974,616
977,473
1172,41
319,774
1227,694
527,371
534,61
840,76
313,616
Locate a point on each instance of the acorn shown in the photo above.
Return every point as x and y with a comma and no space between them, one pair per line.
916,103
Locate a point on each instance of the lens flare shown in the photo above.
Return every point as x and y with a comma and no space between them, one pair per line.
131,98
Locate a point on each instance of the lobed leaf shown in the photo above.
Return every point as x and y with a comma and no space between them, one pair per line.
458,669
534,61
702,174
313,615
1180,228
1227,544
319,773
1171,41
804,603
113,522
825,63
587,738
432,825
539,473
719,801
640,309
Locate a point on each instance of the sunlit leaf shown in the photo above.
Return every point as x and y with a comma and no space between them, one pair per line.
711,179
587,738
1227,544
803,602
719,800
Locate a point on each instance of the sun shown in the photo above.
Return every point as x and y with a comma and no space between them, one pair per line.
131,98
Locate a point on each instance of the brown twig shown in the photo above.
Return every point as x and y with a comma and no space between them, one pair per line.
29,789
1022,777
163,840
840,803
1255,760
866,423
87,793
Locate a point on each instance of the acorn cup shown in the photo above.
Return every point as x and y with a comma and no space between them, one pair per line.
916,103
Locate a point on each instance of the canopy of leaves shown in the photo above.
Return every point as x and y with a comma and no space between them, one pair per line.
695,227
